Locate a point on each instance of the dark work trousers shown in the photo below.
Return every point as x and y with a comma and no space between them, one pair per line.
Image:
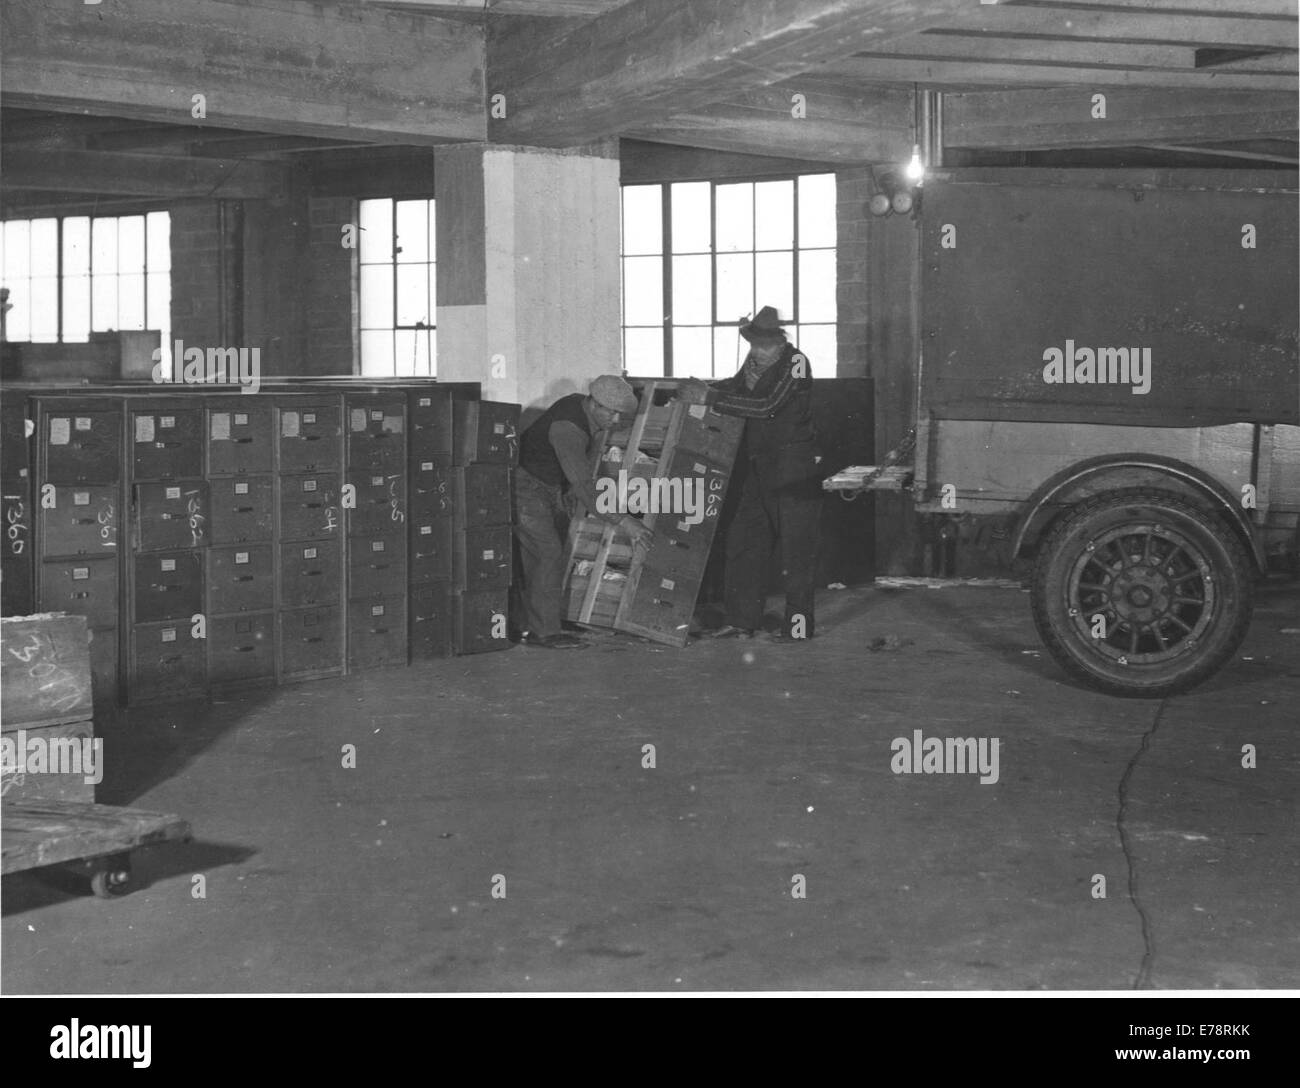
766,517
541,527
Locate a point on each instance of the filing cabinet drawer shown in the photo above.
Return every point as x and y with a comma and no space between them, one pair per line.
377,565
483,557
166,444
17,589
432,550
242,509
309,507
82,445
377,632
167,663
482,495
376,435
433,610
241,649
240,578
480,623
710,434
311,572
430,418
310,437
171,515
485,430
15,448
432,489
240,439
104,666
83,520
311,642
380,502
84,587
168,586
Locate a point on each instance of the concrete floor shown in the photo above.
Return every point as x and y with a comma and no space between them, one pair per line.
528,764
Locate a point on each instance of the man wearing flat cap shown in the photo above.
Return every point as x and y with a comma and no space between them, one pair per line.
777,476
554,461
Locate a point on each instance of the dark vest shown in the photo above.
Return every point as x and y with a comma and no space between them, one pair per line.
536,454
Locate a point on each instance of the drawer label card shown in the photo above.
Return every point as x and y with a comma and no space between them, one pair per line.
241,489
169,634
358,419
490,553
83,423
377,415
697,410
80,574
289,425
172,492
309,553
168,564
167,421
241,419
309,417
426,466
376,545
220,426
241,557
498,428
309,485
376,481
426,530
144,428
667,583
81,498
376,609
60,431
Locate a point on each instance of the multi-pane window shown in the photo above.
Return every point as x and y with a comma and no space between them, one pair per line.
73,276
698,256
397,288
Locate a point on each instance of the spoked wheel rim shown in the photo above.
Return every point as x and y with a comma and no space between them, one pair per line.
1153,587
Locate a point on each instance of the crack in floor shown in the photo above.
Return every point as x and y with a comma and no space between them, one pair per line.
1149,946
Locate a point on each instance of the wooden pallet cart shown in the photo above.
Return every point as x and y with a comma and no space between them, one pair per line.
675,456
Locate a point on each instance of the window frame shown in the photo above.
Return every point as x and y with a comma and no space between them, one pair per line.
431,264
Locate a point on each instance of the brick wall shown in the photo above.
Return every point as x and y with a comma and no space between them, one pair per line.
197,254
328,282
852,187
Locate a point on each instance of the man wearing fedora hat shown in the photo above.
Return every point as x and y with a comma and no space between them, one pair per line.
555,461
777,478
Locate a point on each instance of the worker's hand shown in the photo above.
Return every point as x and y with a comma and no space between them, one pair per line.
693,391
640,534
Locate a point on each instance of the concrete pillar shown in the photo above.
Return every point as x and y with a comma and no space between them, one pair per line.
528,269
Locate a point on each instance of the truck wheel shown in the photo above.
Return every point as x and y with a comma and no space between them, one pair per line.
1142,593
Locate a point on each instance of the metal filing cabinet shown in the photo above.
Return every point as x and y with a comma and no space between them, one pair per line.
430,550
167,662
240,578
432,489
482,495
241,649
483,557
167,585
310,506
311,572
170,515
309,434
84,587
480,622
166,442
79,519
430,416
376,433
241,508
378,501
81,442
485,430
377,632
17,552
311,642
433,613
240,437
376,565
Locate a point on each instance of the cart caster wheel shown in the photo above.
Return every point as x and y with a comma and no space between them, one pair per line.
111,882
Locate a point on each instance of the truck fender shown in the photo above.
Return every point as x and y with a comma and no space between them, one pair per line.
1083,477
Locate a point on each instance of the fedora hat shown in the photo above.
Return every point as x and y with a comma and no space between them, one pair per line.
765,326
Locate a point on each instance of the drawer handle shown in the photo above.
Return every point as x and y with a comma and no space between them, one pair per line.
176,659
167,589
245,649
243,578
313,505
83,521
314,638
379,630
380,566
242,441
243,509
312,437
312,573
79,596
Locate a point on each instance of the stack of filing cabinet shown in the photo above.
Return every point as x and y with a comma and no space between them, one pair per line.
17,574
79,495
485,450
301,533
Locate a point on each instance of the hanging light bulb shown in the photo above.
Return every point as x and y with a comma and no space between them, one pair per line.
915,168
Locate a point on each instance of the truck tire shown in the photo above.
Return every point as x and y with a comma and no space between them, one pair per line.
1142,593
